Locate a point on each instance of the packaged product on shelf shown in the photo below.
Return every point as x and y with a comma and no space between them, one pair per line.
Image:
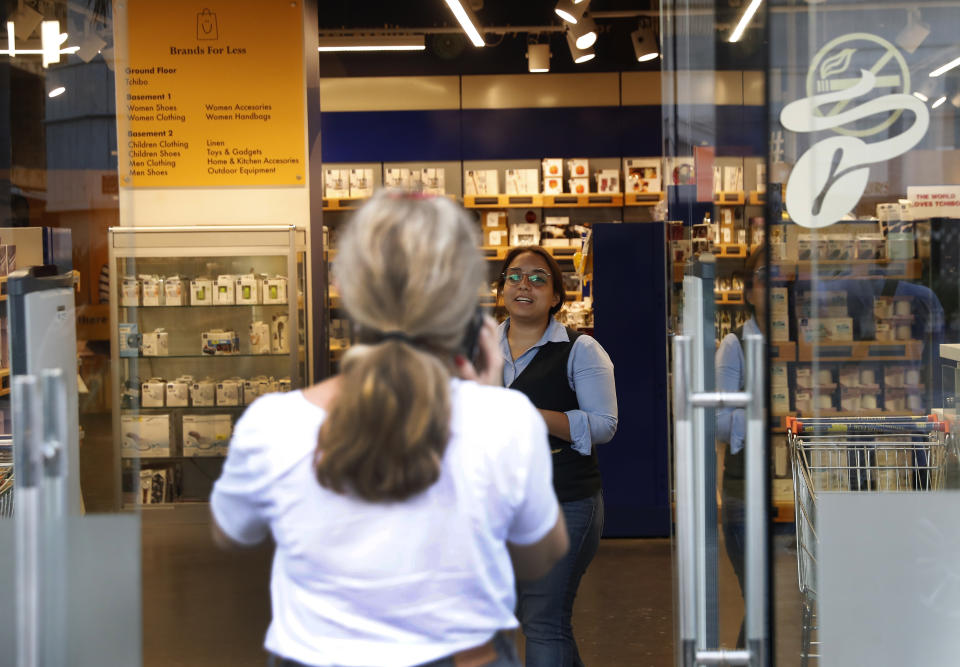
336,183
850,399
779,400
717,179
275,290
779,300
155,343
129,339
225,290
554,236
870,245
178,392
553,186
219,342
496,237
762,177
248,289
681,250
642,175
495,220
733,179
279,335
202,393
259,337
434,180
827,303
154,485
894,398
579,186
8,259
778,374
129,292
779,328
201,292
130,393
230,392
680,171
778,241
153,392
849,376
901,241
922,230
361,182
524,233
914,401
578,168
826,329
481,182
804,401
841,246
206,435
552,168
152,287
893,375
883,330
522,182
400,177
811,246
780,455
283,384
175,291
254,388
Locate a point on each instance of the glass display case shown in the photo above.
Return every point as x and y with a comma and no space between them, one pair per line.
203,321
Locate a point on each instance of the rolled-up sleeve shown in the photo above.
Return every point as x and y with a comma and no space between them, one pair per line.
731,422
590,373
239,499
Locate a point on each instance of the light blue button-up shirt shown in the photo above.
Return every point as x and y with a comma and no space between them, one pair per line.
590,375
729,364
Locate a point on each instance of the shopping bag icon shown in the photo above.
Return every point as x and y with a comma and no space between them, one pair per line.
207,25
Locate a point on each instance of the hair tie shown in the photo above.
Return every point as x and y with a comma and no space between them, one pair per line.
395,335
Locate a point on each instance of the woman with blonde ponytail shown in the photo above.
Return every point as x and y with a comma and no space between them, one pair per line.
405,494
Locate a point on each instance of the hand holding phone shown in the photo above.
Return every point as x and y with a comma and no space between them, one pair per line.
485,364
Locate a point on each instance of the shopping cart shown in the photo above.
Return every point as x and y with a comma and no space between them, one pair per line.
6,480
855,455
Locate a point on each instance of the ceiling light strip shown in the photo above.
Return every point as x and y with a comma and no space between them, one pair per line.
460,12
945,68
745,20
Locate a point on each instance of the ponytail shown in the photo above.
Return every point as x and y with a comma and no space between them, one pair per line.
387,431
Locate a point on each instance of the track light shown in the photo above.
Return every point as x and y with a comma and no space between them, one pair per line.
26,20
571,11
945,68
90,46
372,43
467,21
584,32
538,57
579,55
913,34
645,46
745,20
939,102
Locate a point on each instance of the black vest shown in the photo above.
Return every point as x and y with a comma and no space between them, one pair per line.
544,381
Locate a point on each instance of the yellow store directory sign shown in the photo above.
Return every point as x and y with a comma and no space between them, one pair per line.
211,93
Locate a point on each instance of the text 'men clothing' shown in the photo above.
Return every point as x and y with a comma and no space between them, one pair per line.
391,584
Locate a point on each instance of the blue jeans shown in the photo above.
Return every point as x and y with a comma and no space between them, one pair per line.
503,642
545,606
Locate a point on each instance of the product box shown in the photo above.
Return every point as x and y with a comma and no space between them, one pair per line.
553,186
608,181
579,186
778,374
496,237
361,182
433,180
522,181
680,171
779,328
129,292
717,179
826,329
155,343
779,400
154,486
762,177
481,182
871,246
279,336
248,289
254,388
275,290
552,168
841,246
201,292
178,393
152,393
779,300
8,259
219,342
225,290
284,384
129,339
230,392
732,179
578,168
495,220
524,233
401,177
206,435
336,183
259,338
642,175
175,291
202,393
152,288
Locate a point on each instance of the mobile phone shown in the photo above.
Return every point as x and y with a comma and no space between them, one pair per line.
470,347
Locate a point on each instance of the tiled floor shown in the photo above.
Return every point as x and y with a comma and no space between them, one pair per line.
206,608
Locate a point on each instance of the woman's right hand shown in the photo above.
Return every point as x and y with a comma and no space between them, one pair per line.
491,361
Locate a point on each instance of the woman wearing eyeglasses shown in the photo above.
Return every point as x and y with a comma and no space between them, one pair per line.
401,513
569,379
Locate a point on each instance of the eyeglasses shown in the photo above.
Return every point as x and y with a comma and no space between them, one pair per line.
536,278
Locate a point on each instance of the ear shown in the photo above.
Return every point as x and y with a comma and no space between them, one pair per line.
556,299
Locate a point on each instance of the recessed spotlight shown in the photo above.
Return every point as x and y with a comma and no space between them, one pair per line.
56,92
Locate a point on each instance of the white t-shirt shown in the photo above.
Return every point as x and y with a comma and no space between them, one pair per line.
390,584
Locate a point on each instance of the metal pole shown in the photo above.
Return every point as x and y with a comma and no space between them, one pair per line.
28,466
685,500
757,508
